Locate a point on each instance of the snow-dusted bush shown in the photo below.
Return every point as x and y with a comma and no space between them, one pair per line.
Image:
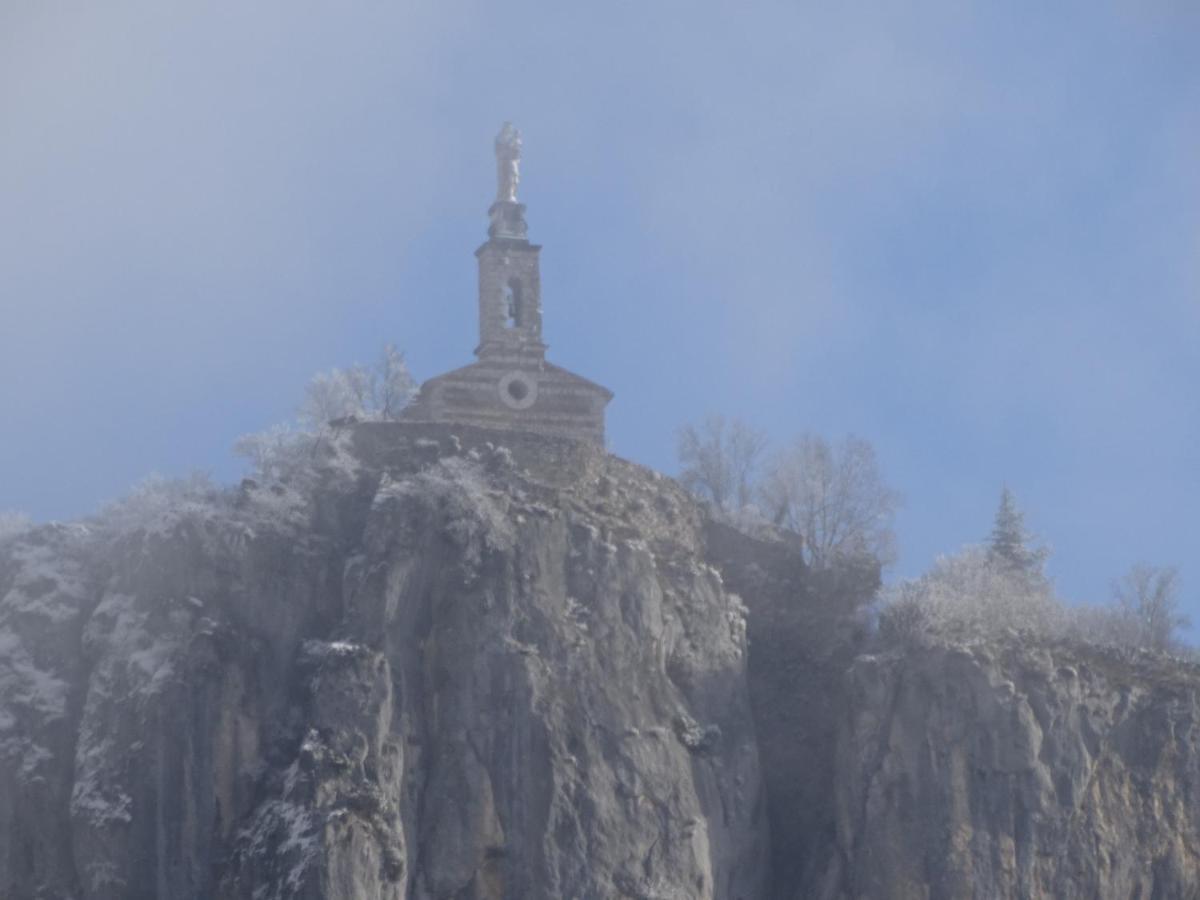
287,452
1106,625
278,452
157,503
977,593
379,392
969,594
904,618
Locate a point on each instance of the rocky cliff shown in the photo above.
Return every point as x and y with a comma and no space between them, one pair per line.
426,666
1011,769
430,671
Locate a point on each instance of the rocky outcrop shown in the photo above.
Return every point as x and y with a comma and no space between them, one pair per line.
1017,770
445,664
437,669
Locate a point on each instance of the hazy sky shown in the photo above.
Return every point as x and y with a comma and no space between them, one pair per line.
967,232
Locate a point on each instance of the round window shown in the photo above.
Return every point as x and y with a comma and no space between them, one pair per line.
518,390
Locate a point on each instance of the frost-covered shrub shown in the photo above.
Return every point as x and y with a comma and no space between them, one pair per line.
295,464
278,452
1107,625
293,452
376,392
968,594
904,619
158,503
977,594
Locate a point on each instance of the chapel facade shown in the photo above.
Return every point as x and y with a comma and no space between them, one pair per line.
511,385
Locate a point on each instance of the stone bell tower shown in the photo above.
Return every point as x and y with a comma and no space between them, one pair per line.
510,290
511,386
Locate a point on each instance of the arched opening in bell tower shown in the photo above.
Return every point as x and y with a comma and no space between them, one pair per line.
512,306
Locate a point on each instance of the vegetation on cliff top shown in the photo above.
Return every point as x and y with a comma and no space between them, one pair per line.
834,502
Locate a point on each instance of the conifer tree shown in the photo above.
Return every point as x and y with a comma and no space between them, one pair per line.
1011,546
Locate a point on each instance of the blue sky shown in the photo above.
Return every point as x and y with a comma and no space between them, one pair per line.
969,232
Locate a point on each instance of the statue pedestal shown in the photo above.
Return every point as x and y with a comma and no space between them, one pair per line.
507,220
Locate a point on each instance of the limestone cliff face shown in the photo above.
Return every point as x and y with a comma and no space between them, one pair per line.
433,668
433,673
1017,771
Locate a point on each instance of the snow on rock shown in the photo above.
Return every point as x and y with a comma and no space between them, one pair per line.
24,688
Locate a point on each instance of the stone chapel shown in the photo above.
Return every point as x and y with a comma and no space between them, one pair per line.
512,386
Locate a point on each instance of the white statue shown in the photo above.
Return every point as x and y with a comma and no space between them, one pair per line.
508,163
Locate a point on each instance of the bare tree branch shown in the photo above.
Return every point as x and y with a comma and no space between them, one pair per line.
720,459
834,496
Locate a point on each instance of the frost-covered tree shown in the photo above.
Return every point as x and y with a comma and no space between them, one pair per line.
275,451
1147,599
333,395
379,391
719,461
394,386
986,590
834,497
1010,545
